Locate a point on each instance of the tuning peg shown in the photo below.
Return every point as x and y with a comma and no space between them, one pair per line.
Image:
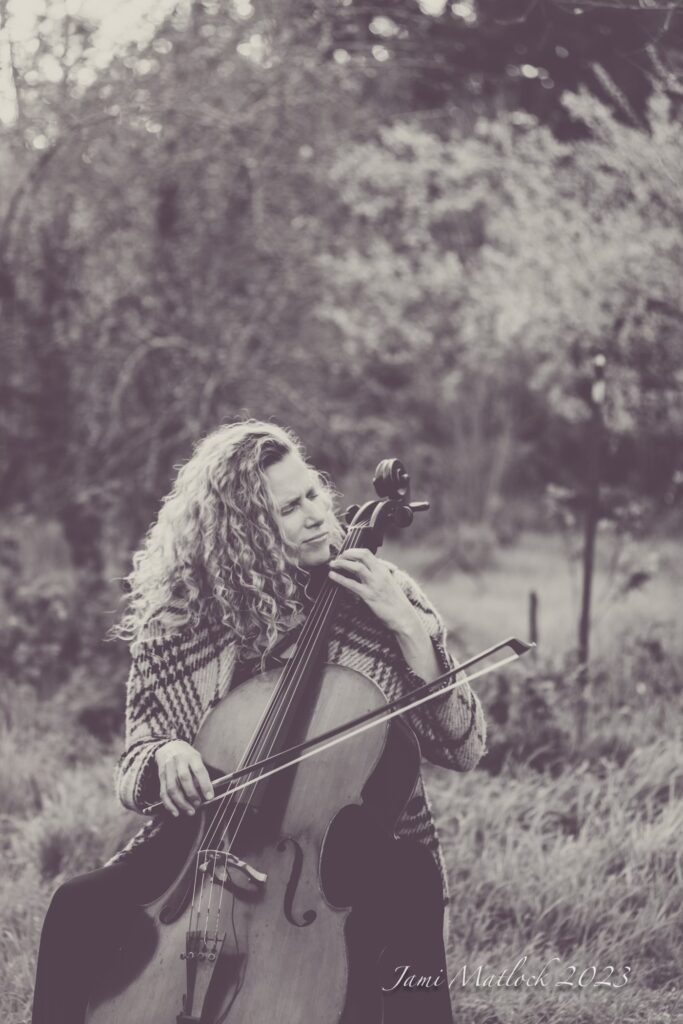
350,513
419,506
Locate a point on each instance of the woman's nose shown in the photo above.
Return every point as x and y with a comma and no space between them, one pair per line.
314,514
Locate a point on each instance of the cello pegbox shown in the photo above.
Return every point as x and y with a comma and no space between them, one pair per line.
391,480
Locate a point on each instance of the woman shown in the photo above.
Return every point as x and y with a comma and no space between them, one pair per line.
217,593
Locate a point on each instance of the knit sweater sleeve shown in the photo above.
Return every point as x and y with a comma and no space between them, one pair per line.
177,674
148,727
451,729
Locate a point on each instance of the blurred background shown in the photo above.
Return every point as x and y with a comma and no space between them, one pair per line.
445,232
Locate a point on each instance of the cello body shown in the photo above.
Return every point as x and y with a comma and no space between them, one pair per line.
319,833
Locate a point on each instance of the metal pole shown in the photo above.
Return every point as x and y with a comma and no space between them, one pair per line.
591,519
533,619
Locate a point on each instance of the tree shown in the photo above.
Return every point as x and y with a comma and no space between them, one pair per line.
478,274
481,55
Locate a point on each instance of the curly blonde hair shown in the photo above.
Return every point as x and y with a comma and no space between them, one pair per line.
215,553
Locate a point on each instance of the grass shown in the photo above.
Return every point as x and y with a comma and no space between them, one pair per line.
582,862
583,867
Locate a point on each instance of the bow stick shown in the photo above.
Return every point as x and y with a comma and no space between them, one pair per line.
293,755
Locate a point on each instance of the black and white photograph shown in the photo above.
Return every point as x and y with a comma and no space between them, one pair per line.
341,511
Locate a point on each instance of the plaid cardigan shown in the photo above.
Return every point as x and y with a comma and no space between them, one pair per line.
177,677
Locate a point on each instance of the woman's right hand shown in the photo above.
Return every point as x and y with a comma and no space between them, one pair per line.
183,779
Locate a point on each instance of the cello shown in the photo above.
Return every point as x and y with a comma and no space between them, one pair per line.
269,904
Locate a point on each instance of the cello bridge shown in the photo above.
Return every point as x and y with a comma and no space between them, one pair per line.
219,862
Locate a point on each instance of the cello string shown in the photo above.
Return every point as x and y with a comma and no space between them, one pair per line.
214,824
284,696
241,808
287,683
264,730
307,640
219,813
261,728
205,849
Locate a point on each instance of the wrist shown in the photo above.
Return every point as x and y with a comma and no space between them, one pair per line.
409,626
417,648
162,746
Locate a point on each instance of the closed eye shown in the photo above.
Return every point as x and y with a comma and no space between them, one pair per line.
311,495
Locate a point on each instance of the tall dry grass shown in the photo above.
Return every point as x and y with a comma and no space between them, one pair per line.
56,814
586,867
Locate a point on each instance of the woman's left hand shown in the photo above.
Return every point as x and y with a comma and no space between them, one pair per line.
372,581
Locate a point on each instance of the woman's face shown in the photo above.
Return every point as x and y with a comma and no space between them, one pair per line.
302,508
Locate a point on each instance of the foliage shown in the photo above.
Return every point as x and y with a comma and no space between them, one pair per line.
179,289
288,247
54,617
532,713
516,54
37,638
486,270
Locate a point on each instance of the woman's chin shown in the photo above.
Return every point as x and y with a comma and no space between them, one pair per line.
314,554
